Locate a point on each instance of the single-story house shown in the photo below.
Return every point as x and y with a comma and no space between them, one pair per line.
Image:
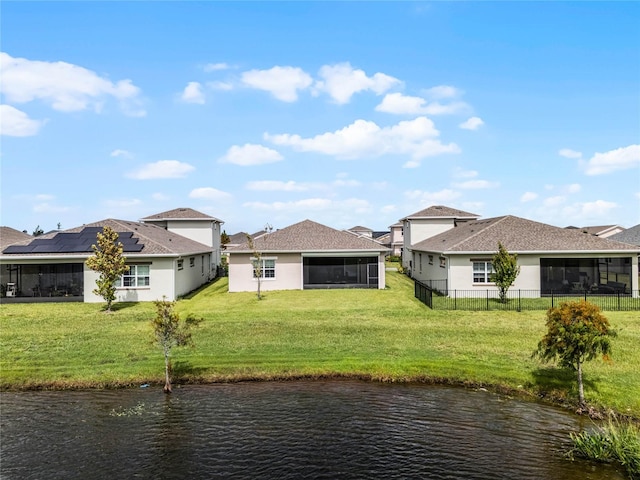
161,262
603,231
307,255
551,259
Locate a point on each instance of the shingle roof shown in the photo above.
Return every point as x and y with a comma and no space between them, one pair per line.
517,235
155,240
308,236
10,236
440,211
630,235
180,214
597,230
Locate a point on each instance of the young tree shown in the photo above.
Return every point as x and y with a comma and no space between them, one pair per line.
38,231
505,271
170,332
109,262
577,332
256,262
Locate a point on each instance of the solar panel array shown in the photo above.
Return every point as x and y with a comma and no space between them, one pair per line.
79,242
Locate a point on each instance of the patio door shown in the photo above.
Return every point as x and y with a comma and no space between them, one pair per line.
372,274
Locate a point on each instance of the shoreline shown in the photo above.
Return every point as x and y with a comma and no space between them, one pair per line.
521,393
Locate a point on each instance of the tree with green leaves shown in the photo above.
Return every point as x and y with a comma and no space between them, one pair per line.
171,332
576,333
256,262
505,271
224,240
109,262
38,231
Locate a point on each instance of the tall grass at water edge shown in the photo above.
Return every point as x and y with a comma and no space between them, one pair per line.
616,441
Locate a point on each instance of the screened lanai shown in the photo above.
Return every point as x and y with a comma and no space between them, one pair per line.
340,272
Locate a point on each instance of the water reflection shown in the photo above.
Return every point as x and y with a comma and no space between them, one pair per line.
334,429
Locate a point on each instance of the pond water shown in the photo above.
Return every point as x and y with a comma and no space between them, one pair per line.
320,429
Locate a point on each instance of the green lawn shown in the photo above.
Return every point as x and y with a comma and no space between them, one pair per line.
375,334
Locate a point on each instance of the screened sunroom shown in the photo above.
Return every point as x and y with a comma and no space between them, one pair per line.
340,272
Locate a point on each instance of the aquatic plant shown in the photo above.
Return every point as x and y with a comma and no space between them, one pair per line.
616,441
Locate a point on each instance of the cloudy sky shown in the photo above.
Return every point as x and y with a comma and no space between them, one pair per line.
343,113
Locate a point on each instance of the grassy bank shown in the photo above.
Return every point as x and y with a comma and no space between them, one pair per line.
377,334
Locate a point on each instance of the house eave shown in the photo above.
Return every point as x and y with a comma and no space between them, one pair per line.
533,252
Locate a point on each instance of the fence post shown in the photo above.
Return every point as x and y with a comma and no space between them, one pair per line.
455,299
552,305
487,300
519,300
618,301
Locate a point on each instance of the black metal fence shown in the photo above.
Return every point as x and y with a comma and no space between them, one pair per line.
519,300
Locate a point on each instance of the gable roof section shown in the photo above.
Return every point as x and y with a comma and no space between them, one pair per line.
180,214
309,236
517,235
630,235
138,238
9,236
442,212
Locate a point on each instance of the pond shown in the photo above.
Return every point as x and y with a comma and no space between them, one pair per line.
304,429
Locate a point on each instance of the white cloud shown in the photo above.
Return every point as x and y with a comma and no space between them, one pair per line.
121,153
250,154
386,209
528,196
209,193
476,184
66,87
400,104
443,91
344,182
568,153
462,173
620,159
574,188
160,197
282,82
472,123
277,186
16,123
46,207
193,93
212,67
122,203
220,85
599,208
362,138
161,169
554,201
342,81
325,205
424,198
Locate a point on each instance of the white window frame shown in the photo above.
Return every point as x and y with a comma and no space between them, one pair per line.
135,277
482,272
180,264
271,269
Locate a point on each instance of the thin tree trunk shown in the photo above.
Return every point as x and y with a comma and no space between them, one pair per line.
580,385
167,380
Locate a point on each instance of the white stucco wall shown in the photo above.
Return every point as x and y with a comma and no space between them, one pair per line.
418,230
459,270
192,277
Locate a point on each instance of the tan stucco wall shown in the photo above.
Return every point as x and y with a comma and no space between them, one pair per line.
288,273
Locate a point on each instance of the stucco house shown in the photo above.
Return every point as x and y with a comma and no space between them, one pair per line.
161,262
551,259
427,223
603,231
308,255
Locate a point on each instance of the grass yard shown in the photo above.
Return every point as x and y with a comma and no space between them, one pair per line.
375,334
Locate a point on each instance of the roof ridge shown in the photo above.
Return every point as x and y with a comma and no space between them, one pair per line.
494,221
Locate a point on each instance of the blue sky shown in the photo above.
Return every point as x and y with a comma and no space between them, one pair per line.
343,113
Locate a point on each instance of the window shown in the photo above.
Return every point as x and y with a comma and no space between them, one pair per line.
268,269
430,259
180,264
482,271
192,262
136,276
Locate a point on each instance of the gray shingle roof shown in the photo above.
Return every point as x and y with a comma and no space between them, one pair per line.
440,211
9,236
180,214
156,240
517,235
630,235
308,236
